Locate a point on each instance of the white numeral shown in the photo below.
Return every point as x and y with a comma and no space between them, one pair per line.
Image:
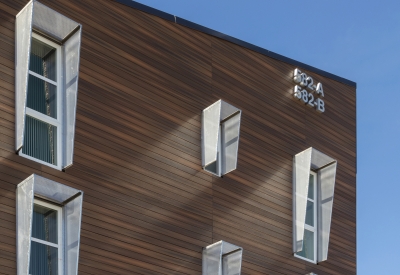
310,83
311,101
304,96
303,81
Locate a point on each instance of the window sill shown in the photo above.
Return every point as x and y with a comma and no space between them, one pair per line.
57,167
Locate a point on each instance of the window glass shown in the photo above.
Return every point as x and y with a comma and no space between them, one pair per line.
43,59
45,242
44,224
43,121
310,226
212,167
44,259
308,245
42,96
40,140
311,187
310,213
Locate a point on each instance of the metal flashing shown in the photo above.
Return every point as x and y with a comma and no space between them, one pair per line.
197,27
148,9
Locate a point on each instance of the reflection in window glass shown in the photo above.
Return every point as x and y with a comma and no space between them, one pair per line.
44,225
311,187
310,226
310,213
308,246
44,259
42,96
43,59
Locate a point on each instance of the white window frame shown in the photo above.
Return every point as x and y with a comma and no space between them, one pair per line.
60,224
47,119
314,228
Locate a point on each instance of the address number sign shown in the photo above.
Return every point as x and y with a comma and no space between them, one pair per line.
307,92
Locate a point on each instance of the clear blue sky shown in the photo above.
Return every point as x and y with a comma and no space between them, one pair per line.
357,40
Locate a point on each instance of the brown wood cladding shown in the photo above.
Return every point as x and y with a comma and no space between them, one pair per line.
148,207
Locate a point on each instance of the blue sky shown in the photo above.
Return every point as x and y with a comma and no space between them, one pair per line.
357,40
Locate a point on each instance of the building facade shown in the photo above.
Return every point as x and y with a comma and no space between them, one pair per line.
133,141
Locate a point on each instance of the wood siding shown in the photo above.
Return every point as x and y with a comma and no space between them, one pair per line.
149,208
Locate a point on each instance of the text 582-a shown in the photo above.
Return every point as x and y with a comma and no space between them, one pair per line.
306,89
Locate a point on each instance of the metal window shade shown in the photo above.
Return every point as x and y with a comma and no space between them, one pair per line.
23,34
69,198
65,31
326,170
326,177
222,258
227,110
73,216
210,132
71,76
230,144
24,224
52,23
228,116
301,174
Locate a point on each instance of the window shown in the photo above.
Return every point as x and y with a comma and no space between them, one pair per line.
46,84
313,190
309,249
220,138
46,242
48,227
43,120
222,258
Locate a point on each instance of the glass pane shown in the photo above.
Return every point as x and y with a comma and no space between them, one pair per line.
40,140
44,225
212,167
42,96
44,259
311,187
43,60
310,213
308,246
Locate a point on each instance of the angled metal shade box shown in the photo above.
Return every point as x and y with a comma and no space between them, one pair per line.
71,201
220,124
325,166
222,258
55,26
